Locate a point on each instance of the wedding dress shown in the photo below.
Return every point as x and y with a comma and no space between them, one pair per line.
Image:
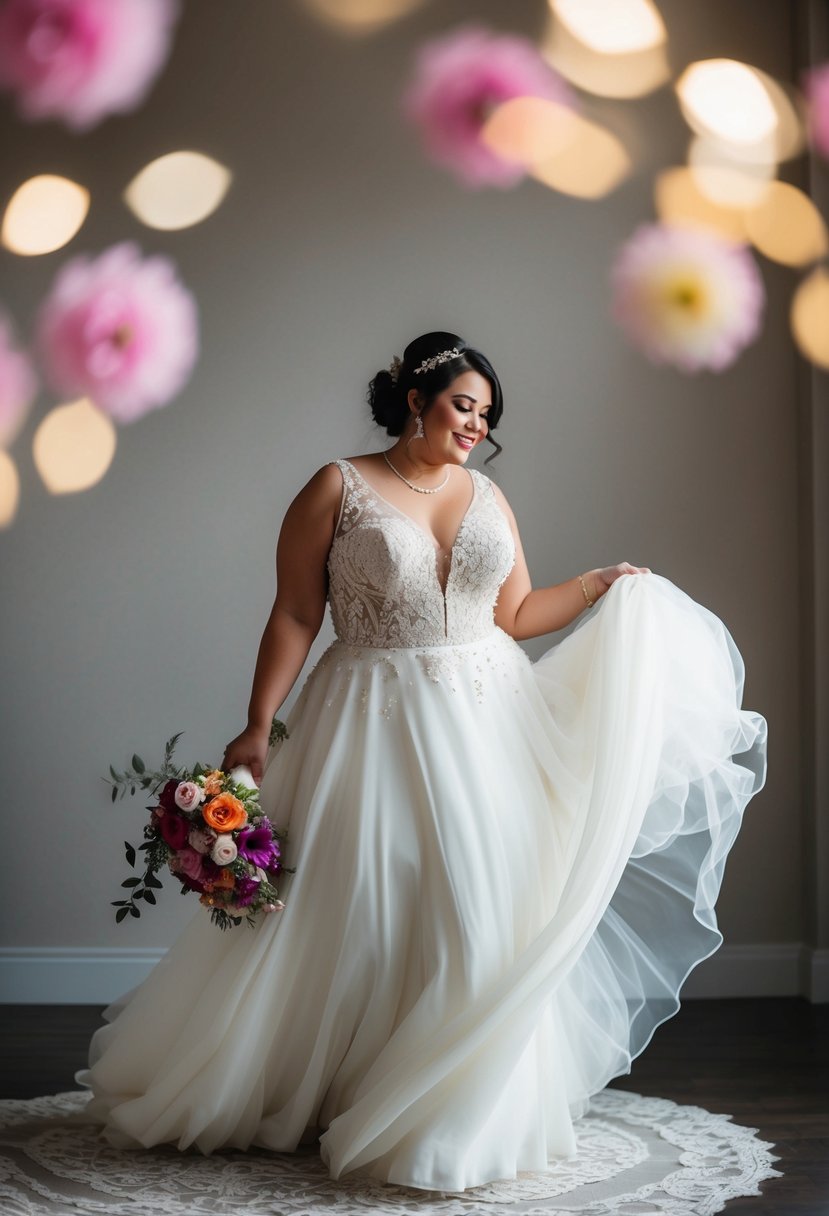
505,871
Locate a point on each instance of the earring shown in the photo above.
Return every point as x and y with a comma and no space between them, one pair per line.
418,431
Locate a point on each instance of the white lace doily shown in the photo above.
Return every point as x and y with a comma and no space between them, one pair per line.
636,1156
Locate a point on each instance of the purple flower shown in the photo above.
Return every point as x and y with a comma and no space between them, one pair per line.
459,79
79,60
119,329
257,844
246,888
817,93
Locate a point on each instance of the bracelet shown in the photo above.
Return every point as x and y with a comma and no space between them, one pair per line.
584,589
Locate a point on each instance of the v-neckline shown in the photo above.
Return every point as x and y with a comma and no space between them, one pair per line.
438,548
422,531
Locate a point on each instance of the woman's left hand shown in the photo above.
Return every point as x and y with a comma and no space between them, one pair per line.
610,573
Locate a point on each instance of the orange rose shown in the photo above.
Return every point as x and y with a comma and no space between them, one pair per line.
224,813
212,782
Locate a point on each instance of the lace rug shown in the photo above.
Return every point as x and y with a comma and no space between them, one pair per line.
636,1156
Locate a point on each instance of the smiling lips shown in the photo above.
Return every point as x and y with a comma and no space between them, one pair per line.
464,441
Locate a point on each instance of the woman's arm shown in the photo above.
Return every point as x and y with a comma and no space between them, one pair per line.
295,619
524,613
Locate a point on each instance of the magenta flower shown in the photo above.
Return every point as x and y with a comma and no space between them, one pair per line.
18,385
257,844
459,79
246,888
174,830
687,296
79,60
119,330
817,93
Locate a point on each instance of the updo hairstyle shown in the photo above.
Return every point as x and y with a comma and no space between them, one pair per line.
388,401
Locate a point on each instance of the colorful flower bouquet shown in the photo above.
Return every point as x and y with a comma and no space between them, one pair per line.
207,827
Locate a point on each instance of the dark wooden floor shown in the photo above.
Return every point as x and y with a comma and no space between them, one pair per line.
764,1062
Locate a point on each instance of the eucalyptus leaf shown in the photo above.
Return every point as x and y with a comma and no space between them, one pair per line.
120,914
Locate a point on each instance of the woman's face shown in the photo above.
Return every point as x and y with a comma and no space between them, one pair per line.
456,422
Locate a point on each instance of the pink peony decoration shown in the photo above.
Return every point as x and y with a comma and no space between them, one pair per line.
18,385
120,330
687,296
79,60
817,93
459,79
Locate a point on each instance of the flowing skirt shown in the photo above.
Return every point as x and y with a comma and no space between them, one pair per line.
505,871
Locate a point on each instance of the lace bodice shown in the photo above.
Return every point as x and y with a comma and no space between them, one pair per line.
384,588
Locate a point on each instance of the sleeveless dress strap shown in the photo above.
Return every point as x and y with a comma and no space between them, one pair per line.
348,481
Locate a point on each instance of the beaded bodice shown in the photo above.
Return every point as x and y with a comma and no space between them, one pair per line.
384,588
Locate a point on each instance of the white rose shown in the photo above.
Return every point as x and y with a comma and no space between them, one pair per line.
242,775
188,795
224,850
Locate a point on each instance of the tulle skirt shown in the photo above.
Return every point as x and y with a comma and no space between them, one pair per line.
505,870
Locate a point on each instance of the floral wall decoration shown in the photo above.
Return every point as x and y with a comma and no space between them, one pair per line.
81,60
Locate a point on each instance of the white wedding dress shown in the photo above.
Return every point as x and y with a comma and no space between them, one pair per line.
505,871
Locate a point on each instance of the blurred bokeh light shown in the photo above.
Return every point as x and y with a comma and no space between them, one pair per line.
178,190
528,130
43,214
73,447
810,317
592,164
678,200
724,180
9,489
361,16
726,100
787,227
623,74
612,26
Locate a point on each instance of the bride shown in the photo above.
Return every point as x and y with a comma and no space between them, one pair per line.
504,870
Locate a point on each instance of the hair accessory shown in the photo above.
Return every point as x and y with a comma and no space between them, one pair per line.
411,485
445,355
394,368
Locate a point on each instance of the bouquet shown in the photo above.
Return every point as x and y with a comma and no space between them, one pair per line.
207,827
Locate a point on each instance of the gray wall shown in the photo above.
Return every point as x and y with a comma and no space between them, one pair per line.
135,610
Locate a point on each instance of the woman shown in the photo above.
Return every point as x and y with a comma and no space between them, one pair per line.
504,870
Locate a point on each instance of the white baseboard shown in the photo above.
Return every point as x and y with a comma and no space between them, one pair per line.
68,975
96,976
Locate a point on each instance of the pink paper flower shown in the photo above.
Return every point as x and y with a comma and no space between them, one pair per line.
18,385
687,296
120,330
817,92
79,60
459,79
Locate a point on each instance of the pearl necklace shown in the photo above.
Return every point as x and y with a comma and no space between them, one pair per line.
419,489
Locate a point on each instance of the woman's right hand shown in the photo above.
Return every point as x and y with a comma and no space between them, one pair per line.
249,748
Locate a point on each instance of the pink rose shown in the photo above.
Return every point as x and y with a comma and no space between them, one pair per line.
224,850
188,795
459,78
79,60
202,839
120,329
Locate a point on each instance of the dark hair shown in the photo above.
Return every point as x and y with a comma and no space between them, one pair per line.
388,401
